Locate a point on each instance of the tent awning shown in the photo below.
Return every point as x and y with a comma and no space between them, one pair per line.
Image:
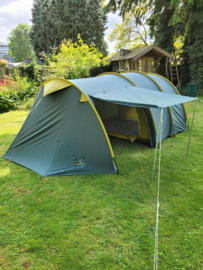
141,97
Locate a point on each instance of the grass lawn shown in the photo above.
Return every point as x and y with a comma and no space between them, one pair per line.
105,221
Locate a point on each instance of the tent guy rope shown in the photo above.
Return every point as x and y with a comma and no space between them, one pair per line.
7,140
10,137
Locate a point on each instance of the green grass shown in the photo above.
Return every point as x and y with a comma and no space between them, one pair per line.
105,221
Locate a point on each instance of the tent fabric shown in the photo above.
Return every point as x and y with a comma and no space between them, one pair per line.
139,97
144,80
57,133
64,133
178,111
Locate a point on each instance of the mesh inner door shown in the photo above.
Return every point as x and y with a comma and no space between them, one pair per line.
119,120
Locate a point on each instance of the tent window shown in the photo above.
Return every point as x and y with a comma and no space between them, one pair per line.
146,66
119,120
139,65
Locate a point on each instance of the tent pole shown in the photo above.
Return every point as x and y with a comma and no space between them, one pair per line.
157,212
191,129
157,144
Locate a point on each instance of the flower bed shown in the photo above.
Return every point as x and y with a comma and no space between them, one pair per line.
14,90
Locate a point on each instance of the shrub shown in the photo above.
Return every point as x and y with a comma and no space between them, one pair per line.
3,63
33,72
95,71
74,60
26,104
14,90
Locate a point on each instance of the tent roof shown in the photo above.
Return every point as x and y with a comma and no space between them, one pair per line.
138,52
117,88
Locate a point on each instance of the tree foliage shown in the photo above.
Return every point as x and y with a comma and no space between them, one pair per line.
54,21
123,6
190,14
74,60
170,21
19,43
3,62
132,31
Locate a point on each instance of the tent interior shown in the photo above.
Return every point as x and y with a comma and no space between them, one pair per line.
125,122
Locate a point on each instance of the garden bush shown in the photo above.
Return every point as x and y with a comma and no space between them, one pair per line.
14,90
26,104
3,63
95,71
73,61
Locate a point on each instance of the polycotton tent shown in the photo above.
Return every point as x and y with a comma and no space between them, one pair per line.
65,132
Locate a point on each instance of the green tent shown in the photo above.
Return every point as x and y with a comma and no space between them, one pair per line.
66,131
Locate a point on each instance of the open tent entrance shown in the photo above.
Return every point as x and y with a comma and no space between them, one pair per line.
122,121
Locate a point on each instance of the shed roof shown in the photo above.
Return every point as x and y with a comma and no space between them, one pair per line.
138,52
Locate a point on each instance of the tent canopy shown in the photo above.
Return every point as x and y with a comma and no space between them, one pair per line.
141,97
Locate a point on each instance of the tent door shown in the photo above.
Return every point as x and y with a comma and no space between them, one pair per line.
119,120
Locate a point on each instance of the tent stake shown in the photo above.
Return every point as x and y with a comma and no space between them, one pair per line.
191,129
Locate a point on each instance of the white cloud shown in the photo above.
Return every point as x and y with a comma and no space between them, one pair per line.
113,19
13,12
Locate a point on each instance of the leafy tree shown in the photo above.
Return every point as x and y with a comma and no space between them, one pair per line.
191,13
19,44
123,6
54,21
170,20
162,33
132,31
43,33
74,60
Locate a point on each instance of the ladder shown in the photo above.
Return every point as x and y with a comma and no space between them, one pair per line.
174,74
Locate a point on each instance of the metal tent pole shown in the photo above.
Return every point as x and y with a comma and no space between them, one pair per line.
191,129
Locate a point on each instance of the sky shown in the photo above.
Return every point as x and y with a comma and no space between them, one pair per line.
13,12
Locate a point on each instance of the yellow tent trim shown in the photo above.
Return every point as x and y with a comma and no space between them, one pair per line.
52,87
144,128
83,98
174,88
55,85
115,73
66,84
158,87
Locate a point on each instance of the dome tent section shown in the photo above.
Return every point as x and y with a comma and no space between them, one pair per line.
62,135
145,81
178,111
107,83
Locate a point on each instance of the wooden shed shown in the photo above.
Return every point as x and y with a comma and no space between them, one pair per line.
140,58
